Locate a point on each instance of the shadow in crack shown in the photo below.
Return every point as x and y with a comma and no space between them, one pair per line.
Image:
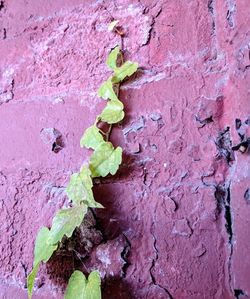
116,288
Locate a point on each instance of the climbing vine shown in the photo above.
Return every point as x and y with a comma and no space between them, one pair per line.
104,160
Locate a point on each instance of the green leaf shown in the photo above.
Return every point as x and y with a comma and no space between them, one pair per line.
105,159
43,248
92,288
79,188
65,222
81,288
106,91
31,280
42,253
113,112
75,286
112,58
126,70
91,138
112,25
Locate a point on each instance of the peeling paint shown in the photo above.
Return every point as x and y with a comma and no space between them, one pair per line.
176,217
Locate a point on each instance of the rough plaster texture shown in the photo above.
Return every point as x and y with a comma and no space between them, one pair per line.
176,223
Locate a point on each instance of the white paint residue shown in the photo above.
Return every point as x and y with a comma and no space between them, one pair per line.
103,256
144,80
8,72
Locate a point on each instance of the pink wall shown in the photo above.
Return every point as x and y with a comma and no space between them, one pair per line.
164,230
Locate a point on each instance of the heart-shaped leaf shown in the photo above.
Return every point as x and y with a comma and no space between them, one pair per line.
79,189
106,91
65,222
126,70
81,288
113,112
105,160
91,138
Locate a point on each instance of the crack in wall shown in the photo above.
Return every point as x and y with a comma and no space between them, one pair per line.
229,229
124,256
231,12
151,270
7,94
238,293
224,146
151,27
210,6
1,5
11,227
223,197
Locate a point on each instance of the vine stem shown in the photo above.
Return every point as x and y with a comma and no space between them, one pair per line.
109,132
117,89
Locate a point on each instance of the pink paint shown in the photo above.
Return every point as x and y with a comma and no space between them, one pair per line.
164,228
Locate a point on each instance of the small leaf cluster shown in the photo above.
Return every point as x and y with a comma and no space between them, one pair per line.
104,160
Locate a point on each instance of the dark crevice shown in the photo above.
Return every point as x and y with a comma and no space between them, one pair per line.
224,146
228,216
98,226
238,293
243,146
25,270
230,18
124,256
247,195
83,240
239,128
219,195
12,88
205,121
210,6
230,12
1,5
4,33
223,197
153,261
237,123
144,176
247,121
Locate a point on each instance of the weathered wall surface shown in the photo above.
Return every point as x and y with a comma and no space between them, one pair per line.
177,217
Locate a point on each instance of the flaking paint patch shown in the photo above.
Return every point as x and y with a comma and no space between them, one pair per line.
103,256
189,55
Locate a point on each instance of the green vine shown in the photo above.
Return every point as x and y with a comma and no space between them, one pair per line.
104,160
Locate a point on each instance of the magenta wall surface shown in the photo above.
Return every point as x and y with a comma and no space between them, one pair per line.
176,222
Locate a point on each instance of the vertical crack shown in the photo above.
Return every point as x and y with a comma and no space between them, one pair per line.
231,12
4,33
124,256
223,197
224,146
1,5
228,215
151,270
210,7
12,88
229,229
